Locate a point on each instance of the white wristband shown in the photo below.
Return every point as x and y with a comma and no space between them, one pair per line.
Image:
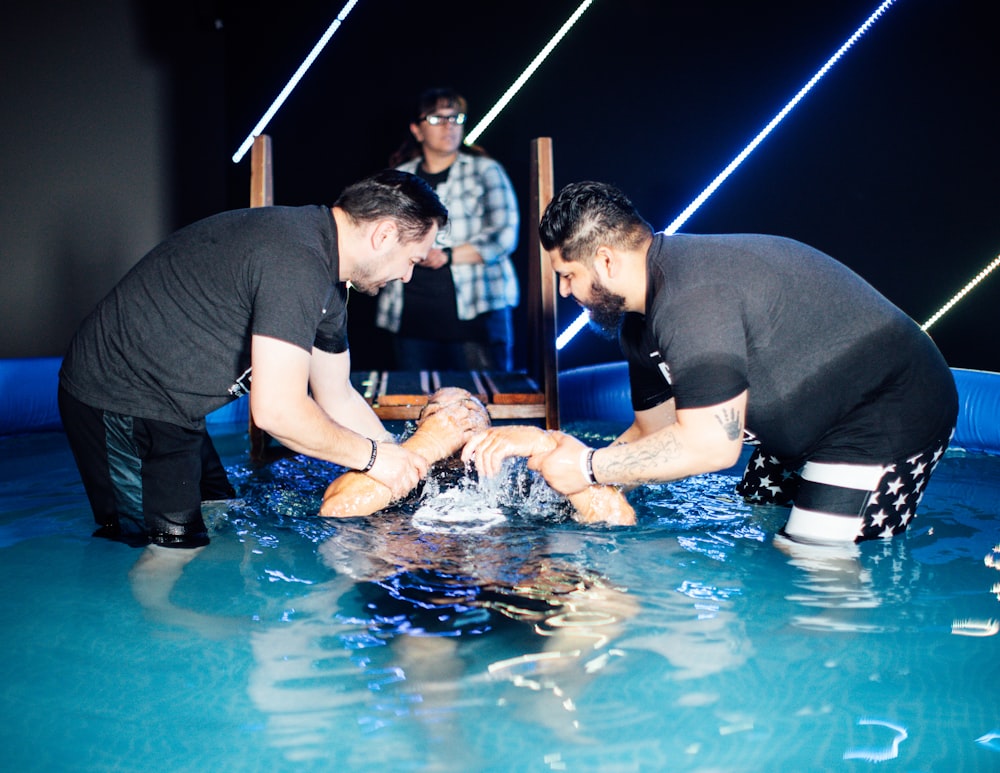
587,465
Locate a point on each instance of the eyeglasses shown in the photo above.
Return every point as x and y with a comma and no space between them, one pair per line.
434,120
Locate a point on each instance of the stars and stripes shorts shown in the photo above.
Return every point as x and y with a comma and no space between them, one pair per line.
839,501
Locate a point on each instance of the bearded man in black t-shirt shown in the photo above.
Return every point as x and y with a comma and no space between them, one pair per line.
757,338
250,294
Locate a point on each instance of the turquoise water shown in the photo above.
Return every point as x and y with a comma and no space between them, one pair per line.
485,631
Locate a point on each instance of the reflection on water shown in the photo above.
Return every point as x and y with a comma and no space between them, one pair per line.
482,629
473,597
421,625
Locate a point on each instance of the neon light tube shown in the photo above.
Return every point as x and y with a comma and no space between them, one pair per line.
962,293
494,111
566,336
293,81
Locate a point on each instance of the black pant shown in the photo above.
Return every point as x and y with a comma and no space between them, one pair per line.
145,479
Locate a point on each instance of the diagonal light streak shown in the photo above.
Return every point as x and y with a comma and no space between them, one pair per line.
578,324
962,293
293,81
494,111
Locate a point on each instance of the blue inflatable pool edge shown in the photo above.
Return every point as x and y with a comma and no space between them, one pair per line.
28,400
28,397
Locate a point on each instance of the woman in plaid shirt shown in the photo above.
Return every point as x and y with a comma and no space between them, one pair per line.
455,314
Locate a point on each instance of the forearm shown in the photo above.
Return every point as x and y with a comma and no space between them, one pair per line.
303,426
354,412
487,246
667,455
500,217
439,435
466,254
492,233
357,494
602,504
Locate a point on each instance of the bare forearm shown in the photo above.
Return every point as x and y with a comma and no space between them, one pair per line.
466,254
354,413
302,426
356,494
442,431
602,504
664,456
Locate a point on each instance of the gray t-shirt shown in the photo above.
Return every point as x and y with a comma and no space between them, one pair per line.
833,370
172,340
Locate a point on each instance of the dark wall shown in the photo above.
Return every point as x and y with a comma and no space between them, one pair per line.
889,164
82,163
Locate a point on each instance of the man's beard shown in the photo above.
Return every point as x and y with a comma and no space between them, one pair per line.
363,283
606,310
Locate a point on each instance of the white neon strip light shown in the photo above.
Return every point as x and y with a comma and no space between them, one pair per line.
962,293
566,336
293,81
494,111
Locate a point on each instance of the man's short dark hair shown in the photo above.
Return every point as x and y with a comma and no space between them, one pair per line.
585,215
399,196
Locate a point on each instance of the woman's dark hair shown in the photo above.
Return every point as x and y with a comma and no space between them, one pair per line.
585,215
400,196
429,101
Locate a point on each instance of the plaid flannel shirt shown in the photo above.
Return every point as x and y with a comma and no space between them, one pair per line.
482,211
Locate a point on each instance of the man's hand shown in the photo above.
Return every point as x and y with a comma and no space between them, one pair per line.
562,467
397,469
489,449
435,258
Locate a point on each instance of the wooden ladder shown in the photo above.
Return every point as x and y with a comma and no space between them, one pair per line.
530,396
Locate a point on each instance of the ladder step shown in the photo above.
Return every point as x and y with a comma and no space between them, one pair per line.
401,394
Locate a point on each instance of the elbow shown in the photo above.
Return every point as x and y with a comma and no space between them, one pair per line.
725,456
714,457
266,415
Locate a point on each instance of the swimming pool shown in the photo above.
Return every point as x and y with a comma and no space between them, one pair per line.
495,637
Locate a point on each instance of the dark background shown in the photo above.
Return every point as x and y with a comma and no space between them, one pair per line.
890,164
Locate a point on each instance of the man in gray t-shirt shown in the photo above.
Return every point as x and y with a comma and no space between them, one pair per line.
255,294
757,338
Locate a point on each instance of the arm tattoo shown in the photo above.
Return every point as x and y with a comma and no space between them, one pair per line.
731,423
642,464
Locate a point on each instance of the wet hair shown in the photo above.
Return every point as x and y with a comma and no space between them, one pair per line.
585,215
429,101
399,196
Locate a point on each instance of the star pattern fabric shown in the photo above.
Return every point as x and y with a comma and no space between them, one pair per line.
890,508
767,481
893,504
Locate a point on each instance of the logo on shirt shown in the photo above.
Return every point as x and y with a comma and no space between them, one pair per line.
664,368
242,385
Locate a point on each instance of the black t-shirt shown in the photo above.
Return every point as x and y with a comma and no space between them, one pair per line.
430,310
833,370
172,340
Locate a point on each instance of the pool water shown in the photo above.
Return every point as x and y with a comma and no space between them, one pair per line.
484,630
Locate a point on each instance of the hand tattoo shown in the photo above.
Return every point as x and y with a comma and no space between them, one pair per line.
731,423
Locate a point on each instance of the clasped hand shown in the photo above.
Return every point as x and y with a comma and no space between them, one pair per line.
398,469
555,455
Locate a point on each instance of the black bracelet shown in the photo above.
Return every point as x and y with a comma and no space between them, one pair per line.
447,252
371,462
590,466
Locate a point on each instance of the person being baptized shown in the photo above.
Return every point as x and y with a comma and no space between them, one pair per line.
451,417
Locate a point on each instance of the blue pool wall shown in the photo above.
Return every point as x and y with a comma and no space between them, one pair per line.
28,400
